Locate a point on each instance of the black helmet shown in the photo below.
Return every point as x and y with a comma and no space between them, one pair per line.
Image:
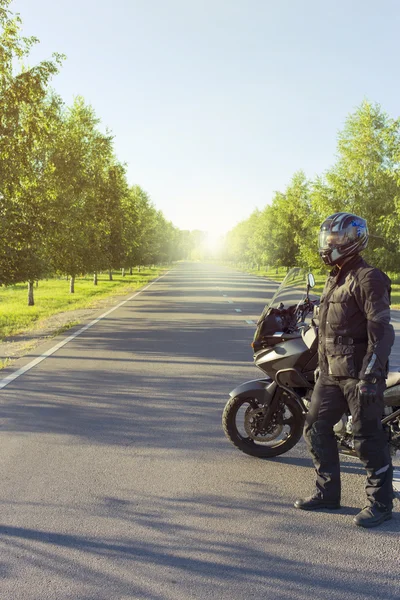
342,235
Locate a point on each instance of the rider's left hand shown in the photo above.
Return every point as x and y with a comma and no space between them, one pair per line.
367,392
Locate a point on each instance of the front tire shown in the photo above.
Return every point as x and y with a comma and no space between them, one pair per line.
239,421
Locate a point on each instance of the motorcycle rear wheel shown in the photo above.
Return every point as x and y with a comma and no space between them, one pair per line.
289,415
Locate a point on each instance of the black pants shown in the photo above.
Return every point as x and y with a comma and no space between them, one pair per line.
331,398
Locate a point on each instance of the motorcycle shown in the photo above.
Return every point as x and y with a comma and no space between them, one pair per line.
265,417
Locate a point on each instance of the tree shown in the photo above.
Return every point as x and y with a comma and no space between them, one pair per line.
88,185
364,180
111,197
287,221
26,114
236,242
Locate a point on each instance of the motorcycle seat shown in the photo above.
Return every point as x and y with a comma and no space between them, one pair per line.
393,378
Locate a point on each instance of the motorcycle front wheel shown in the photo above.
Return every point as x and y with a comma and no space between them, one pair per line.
242,423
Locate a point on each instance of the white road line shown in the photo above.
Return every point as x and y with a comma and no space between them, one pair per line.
230,302
238,309
396,479
224,295
4,382
250,322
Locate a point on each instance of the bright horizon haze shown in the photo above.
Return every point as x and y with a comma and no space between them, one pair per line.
214,105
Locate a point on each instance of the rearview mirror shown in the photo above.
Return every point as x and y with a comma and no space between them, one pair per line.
310,280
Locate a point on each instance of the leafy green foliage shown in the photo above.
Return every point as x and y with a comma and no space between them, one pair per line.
25,117
364,180
65,204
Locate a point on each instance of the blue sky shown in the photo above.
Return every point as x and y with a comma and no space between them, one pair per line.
215,104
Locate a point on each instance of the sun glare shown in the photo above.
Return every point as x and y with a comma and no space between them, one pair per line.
213,242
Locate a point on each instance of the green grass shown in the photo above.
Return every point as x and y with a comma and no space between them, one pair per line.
279,273
52,296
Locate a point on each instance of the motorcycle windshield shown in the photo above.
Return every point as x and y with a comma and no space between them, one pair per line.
291,293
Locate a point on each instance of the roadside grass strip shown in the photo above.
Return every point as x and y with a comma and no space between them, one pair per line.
52,296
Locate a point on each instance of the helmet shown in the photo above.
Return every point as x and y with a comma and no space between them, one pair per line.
341,235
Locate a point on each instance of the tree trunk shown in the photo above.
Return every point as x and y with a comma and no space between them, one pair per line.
31,301
130,271
110,277
95,278
72,285
37,283
138,268
123,272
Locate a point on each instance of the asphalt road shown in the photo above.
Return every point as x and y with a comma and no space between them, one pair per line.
118,483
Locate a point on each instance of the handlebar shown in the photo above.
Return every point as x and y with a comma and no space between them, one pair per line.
300,312
286,320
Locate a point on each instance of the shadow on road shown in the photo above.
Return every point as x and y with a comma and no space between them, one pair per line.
152,386
180,551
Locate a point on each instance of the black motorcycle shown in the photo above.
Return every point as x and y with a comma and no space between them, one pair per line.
265,417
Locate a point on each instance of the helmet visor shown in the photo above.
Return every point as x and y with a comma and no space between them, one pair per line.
331,239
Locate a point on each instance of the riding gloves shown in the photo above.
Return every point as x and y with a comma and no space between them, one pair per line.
367,392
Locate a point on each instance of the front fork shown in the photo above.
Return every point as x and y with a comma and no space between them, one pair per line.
272,407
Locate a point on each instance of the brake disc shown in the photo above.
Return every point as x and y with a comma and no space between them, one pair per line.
253,419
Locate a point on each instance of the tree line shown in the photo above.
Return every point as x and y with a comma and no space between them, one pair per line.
365,180
65,203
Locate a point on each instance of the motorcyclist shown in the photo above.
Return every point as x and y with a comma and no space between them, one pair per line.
355,339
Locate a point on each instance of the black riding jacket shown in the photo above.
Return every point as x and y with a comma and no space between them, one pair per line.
355,334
